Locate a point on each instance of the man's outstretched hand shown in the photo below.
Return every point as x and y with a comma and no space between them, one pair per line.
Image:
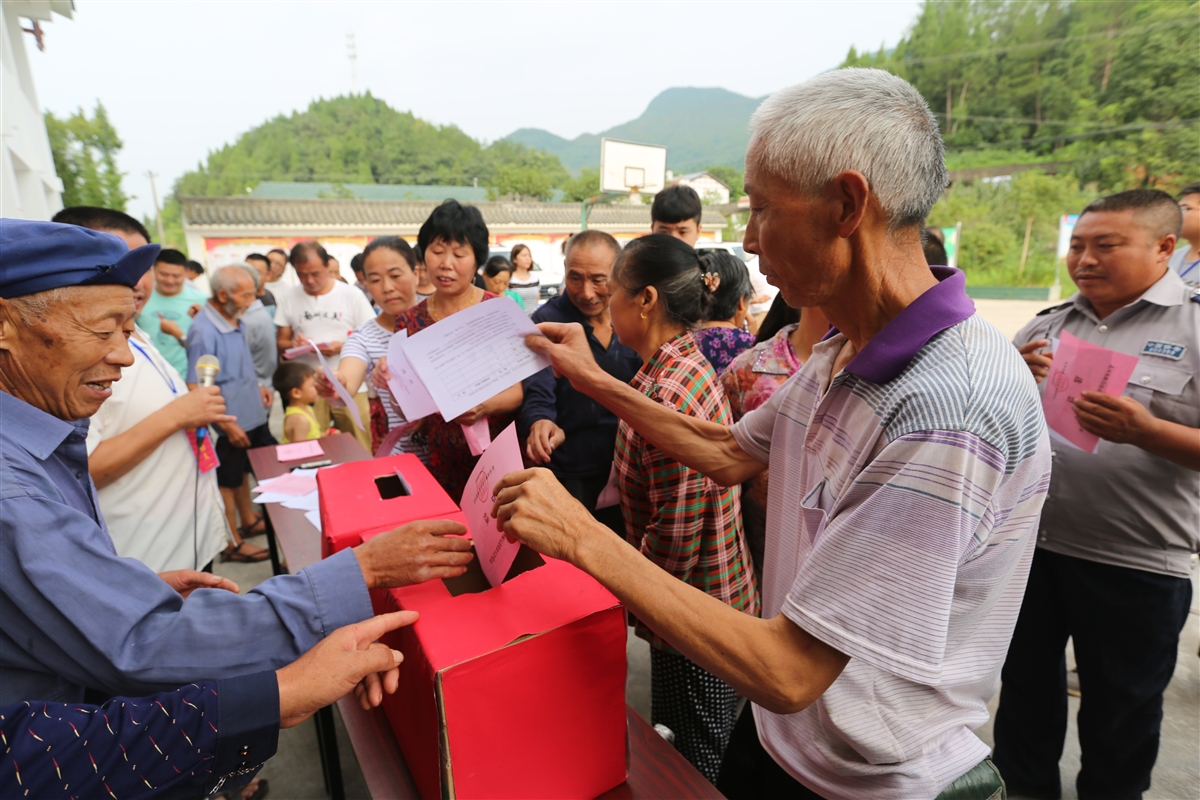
414,553
533,508
349,659
566,345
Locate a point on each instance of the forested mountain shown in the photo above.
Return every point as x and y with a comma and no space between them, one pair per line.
1110,86
360,139
699,127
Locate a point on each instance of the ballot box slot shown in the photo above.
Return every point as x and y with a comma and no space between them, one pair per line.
392,486
473,581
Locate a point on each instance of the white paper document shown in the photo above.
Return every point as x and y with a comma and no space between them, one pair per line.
474,355
343,396
314,517
494,551
410,393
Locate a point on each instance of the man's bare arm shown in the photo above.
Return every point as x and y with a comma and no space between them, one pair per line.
773,662
707,447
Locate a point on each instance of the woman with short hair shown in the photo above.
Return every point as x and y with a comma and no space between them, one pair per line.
681,520
454,241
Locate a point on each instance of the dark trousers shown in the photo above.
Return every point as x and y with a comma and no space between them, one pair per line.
1125,625
749,773
587,491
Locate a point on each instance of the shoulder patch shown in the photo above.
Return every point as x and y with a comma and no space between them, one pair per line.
1165,349
1052,309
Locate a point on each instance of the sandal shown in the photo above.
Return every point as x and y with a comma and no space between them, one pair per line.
260,792
256,528
236,554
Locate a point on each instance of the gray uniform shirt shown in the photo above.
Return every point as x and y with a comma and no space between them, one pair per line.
260,335
1121,505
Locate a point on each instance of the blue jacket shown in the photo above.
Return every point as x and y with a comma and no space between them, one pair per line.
590,428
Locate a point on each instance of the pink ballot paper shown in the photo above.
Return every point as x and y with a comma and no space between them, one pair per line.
494,551
299,450
1079,367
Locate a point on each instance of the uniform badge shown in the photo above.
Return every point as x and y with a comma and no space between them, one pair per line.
1165,349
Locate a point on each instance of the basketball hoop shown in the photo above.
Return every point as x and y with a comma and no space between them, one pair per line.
627,169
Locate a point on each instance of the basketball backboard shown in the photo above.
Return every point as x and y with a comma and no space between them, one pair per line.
627,167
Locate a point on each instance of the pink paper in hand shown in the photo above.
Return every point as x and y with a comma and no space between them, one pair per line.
1079,367
299,450
478,436
494,550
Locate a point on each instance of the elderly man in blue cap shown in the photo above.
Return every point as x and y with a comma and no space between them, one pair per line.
73,614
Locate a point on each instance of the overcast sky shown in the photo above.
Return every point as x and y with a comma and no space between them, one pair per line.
182,78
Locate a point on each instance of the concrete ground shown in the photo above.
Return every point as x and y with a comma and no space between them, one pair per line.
295,772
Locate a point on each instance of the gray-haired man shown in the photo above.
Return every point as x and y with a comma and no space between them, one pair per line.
909,461
218,331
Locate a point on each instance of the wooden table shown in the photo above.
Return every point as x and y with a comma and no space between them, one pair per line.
656,770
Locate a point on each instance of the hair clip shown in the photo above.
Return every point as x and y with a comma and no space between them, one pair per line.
712,281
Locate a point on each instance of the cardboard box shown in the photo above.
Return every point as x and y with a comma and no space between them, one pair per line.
368,497
512,691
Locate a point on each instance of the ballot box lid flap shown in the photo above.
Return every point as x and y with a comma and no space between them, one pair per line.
455,629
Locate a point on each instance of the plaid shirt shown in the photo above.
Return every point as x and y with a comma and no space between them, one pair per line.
681,520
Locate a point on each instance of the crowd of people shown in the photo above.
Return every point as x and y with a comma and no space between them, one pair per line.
831,509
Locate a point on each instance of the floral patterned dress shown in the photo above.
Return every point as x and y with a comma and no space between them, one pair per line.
722,345
450,459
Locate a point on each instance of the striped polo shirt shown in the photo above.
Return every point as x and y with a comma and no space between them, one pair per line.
900,527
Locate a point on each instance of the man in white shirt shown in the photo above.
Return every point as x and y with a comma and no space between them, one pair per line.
159,507
323,311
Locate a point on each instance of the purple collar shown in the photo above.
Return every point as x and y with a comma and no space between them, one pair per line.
890,351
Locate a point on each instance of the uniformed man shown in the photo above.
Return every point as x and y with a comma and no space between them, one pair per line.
1113,561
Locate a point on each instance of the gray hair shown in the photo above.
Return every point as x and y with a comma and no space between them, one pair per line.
226,278
855,119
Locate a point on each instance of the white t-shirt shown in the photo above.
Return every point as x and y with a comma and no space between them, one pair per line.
759,285
329,317
150,510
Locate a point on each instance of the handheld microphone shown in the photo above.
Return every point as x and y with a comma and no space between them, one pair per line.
207,367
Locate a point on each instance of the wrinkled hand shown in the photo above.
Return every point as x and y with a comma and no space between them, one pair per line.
414,553
186,581
268,397
236,436
1115,419
170,327
533,508
202,406
1038,363
379,373
544,436
566,345
349,659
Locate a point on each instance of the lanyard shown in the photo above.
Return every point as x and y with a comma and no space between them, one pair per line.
170,381
1191,267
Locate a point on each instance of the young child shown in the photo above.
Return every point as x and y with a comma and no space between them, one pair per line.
296,383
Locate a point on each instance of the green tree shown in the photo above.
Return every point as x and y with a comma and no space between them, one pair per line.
576,190
85,158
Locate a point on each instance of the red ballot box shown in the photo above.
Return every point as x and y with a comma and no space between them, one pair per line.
377,495
512,691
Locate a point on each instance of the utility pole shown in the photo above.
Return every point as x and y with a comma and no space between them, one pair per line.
352,53
162,239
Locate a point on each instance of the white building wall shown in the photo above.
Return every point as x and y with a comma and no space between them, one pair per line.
29,187
711,190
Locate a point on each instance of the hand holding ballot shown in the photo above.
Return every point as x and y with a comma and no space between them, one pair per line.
566,347
533,508
1122,420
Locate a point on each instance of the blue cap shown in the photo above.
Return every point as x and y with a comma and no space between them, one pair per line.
40,256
